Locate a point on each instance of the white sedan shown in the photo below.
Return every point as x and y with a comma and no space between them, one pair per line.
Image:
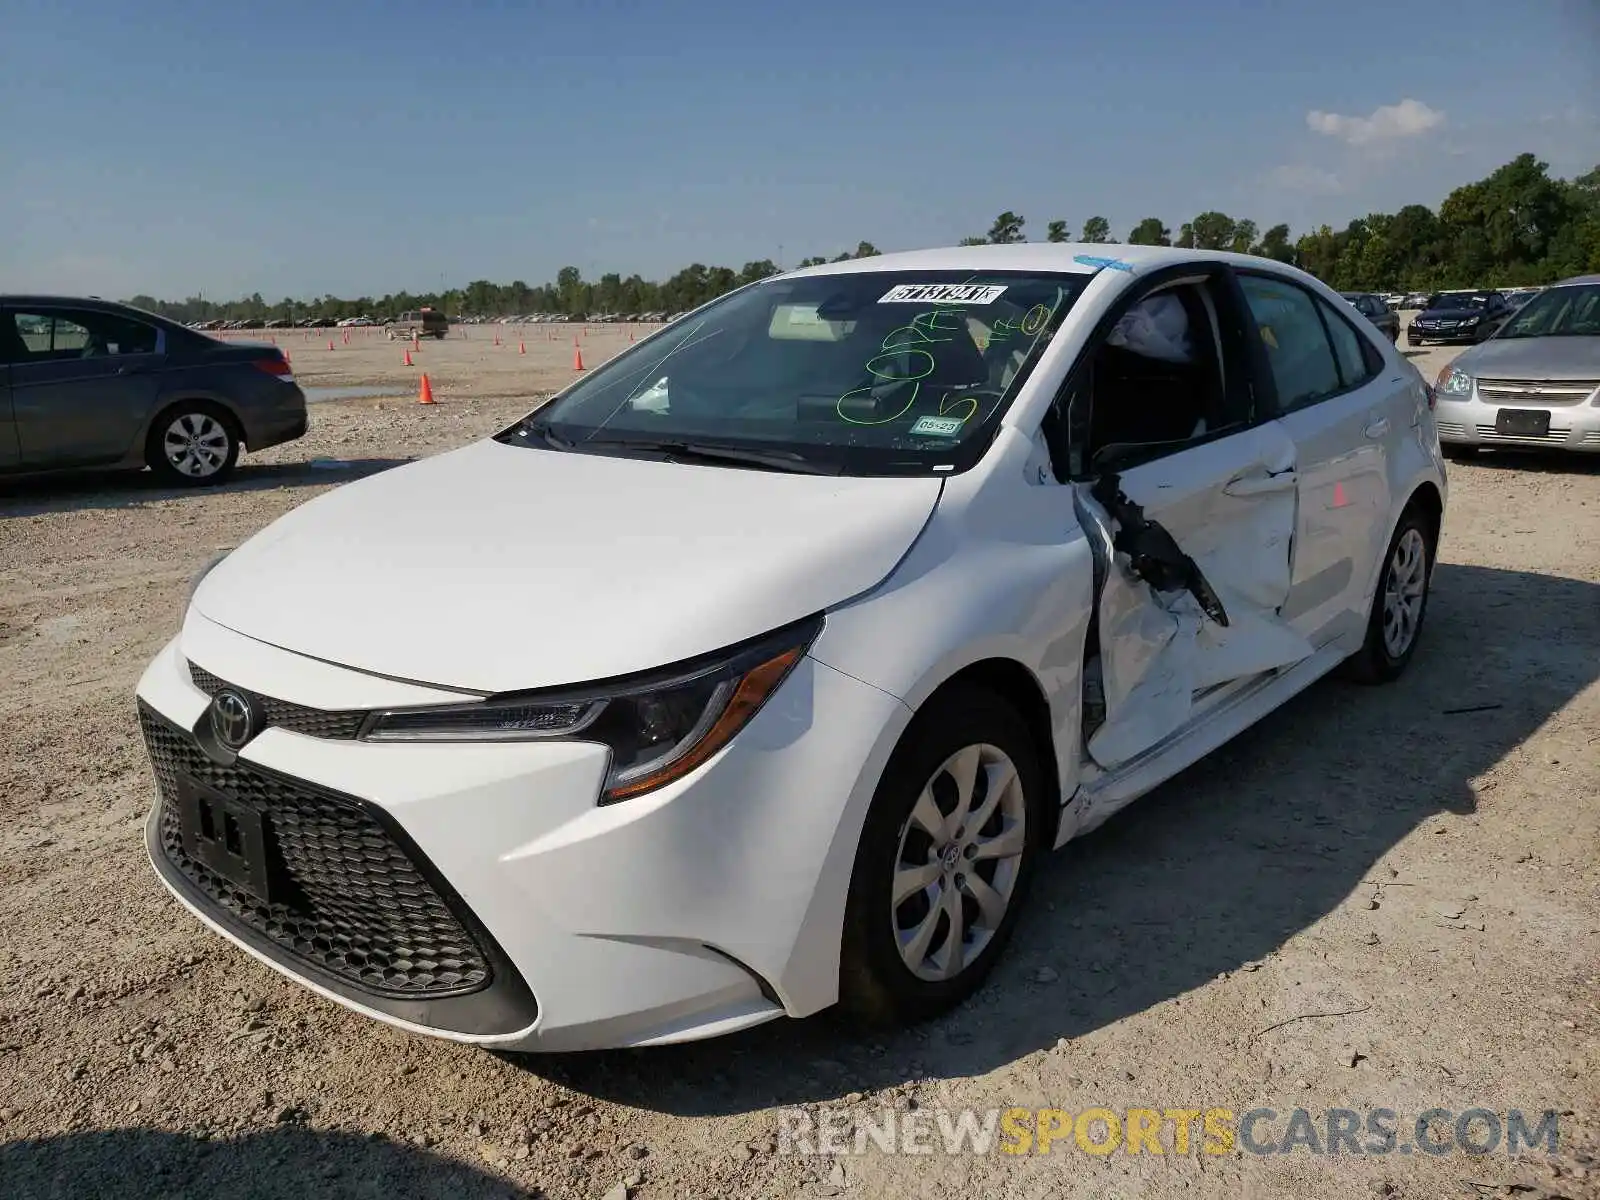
761,669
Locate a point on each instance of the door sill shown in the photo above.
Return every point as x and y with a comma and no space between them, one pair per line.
1103,793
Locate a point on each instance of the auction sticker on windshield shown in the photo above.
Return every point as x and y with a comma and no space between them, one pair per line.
943,293
938,426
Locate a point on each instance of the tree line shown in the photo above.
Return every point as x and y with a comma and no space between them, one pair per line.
1517,226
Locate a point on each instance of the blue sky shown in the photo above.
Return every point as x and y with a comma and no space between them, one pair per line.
297,148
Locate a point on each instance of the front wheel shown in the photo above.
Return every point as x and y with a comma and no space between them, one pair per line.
944,862
193,445
1399,604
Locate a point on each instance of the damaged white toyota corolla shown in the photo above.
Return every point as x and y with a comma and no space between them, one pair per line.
761,669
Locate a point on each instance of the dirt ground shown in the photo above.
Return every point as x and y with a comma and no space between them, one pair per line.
1426,874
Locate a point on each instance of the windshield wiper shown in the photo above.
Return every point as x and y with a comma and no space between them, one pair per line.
537,429
771,460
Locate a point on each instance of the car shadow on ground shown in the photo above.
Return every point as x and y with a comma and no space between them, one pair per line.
1216,869
288,1161
43,494
1545,462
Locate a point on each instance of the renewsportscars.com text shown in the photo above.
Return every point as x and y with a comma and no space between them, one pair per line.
1167,1130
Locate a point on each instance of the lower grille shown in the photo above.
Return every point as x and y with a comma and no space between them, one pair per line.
1453,428
341,724
1491,434
350,899
1542,393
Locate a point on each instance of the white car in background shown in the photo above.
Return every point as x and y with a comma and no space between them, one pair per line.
945,557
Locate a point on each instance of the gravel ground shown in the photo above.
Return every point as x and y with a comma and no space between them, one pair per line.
1429,875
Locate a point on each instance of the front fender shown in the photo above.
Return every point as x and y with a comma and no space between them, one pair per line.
1002,571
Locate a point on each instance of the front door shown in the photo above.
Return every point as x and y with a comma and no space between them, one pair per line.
1190,494
83,384
1166,640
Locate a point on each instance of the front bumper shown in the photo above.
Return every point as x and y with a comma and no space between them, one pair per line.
1414,335
1470,421
711,905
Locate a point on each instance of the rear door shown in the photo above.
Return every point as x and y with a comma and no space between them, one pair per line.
83,385
1341,403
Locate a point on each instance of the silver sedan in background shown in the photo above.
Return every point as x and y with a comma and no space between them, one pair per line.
1535,383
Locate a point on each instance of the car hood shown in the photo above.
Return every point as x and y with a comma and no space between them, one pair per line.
497,568
1448,314
1575,357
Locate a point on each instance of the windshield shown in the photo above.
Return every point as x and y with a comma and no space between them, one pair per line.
874,372
1458,300
1559,312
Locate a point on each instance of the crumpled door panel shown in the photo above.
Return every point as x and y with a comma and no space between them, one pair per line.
1159,648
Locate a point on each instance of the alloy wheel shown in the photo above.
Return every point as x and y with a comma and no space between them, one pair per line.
196,445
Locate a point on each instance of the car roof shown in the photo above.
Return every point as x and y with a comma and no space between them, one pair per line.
44,298
1060,257
1577,280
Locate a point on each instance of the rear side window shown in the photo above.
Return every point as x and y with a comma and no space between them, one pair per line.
1299,353
1356,359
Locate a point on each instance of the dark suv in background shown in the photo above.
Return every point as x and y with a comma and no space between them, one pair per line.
85,383
1375,310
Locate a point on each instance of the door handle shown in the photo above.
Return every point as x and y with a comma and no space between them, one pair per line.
133,369
1259,483
1377,427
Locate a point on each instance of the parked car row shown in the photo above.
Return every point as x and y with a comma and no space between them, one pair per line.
639,318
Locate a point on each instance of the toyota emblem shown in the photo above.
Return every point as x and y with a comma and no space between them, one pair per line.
232,719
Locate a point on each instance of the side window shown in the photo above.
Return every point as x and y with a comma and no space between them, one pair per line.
1298,351
1355,359
46,337
111,335
1151,385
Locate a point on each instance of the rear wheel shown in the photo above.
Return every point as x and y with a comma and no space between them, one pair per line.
945,859
195,444
1399,605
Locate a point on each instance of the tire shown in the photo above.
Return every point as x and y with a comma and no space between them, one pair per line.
1382,658
193,444
877,984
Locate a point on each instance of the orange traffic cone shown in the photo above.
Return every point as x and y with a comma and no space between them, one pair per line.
522,347
426,395
408,358
330,343
577,358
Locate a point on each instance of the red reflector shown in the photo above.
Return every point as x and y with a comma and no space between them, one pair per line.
274,366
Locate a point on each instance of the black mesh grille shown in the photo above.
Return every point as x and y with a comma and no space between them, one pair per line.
348,899
298,718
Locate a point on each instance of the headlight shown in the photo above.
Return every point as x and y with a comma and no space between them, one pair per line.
1453,381
658,727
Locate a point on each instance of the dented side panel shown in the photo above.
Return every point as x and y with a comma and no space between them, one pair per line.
1231,507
